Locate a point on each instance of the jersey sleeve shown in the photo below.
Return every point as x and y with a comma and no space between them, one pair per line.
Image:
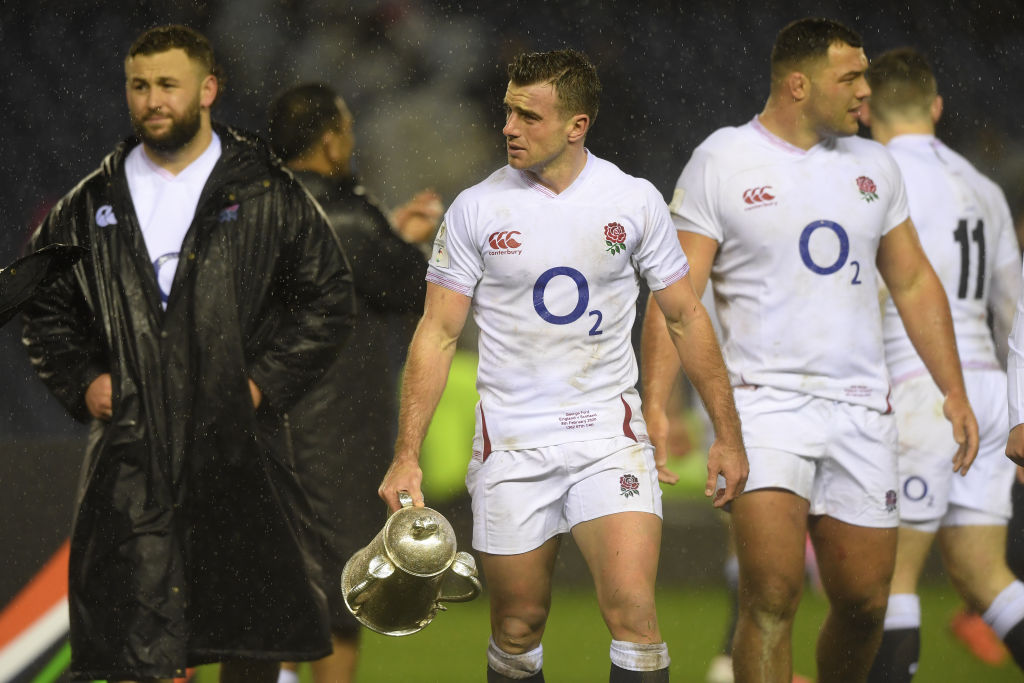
899,207
693,207
659,257
456,263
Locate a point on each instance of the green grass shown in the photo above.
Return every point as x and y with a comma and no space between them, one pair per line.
453,647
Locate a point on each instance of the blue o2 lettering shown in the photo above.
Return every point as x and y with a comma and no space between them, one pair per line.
805,251
582,298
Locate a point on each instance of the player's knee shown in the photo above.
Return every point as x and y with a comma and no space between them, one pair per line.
520,632
865,611
634,621
771,600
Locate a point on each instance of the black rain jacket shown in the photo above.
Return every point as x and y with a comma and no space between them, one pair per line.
345,427
190,538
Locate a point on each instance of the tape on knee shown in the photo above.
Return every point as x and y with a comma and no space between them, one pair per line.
639,656
515,666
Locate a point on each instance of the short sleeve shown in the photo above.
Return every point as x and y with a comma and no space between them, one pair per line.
693,207
659,257
456,262
898,210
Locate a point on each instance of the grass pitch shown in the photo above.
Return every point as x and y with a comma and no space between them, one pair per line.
452,648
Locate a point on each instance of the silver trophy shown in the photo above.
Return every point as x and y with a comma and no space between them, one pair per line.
397,583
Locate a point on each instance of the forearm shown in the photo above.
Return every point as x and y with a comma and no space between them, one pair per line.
697,346
658,359
423,383
924,310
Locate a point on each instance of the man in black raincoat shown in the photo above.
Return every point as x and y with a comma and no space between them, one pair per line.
188,542
345,427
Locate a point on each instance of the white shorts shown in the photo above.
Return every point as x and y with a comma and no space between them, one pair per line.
839,456
930,491
522,498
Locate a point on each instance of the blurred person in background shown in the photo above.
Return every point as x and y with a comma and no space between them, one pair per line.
344,429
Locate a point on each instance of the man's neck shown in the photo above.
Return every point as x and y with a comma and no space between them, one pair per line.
884,132
560,174
789,123
176,161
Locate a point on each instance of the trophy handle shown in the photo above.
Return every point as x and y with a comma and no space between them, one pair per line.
357,590
464,568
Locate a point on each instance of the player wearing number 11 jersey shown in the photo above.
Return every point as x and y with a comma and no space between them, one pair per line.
967,232
792,217
548,252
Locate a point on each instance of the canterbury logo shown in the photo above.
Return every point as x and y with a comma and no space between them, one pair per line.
506,239
105,216
756,195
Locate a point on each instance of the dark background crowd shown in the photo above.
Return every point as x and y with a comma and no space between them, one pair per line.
425,81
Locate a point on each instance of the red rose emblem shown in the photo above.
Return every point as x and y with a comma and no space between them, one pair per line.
868,190
614,237
629,485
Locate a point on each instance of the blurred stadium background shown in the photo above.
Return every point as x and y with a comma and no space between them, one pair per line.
424,80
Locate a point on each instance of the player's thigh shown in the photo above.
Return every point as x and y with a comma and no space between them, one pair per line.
858,481
912,547
784,437
518,499
622,552
975,558
987,486
769,528
926,450
519,588
856,562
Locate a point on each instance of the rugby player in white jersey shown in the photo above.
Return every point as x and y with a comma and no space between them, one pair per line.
548,252
965,227
792,216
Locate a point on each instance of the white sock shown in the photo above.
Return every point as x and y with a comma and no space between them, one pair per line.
639,656
903,611
514,666
288,676
1007,610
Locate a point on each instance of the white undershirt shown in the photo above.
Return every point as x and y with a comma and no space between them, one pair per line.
165,205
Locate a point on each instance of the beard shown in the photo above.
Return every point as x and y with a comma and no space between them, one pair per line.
181,132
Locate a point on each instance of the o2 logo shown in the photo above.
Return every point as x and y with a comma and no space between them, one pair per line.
582,298
844,250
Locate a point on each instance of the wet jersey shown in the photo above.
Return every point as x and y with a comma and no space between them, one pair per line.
554,280
794,276
966,230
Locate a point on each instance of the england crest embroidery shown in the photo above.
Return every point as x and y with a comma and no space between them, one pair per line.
629,485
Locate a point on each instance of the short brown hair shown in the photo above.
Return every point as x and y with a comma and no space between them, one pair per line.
902,82
574,77
164,38
808,39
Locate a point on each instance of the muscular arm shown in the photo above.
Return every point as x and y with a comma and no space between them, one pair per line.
924,309
678,332
426,373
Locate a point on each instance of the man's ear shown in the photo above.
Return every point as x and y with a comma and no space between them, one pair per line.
798,85
936,109
208,90
578,127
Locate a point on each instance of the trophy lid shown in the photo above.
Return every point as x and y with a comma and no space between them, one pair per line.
420,541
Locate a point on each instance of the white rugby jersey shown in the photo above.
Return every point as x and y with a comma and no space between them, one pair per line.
964,224
794,277
554,281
